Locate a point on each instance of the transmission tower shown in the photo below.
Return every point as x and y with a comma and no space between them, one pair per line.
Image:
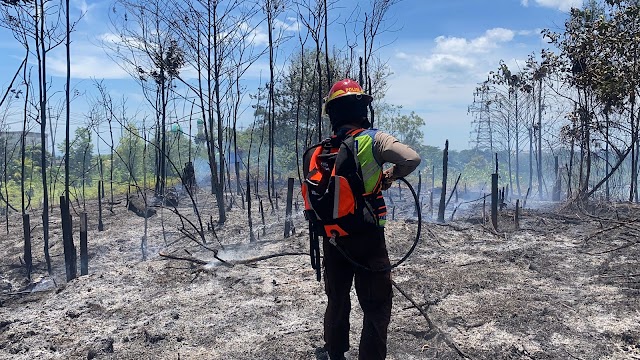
481,135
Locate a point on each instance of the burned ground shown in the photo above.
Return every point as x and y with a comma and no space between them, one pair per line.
566,285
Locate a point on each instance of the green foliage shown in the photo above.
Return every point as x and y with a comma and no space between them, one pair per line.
406,128
130,151
178,152
33,163
297,94
80,157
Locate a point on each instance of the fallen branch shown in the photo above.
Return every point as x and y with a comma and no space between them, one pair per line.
265,257
473,262
571,355
603,230
415,305
454,227
491,230
432,327
619,276
230,262
629,244
184,258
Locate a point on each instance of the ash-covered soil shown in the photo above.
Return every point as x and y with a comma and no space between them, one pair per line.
566,285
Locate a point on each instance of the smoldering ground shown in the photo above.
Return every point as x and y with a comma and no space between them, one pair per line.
565,285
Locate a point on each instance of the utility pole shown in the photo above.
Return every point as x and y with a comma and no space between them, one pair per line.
482,133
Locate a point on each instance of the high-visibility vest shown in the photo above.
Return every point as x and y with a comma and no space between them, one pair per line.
371,173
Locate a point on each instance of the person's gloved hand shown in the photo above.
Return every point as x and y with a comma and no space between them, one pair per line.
387,179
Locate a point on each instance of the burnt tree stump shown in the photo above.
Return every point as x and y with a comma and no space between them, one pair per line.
443,194
137,205
288,223
84,253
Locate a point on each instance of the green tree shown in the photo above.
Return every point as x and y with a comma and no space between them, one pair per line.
177,151
129,155
80,157
600,59
406,128
295,98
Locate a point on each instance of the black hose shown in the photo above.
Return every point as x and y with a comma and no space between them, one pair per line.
406,256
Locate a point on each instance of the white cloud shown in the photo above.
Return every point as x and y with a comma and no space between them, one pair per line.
87,66
437,62
438,82
109,38
259,36
562,5
456,58
490,40
291,24
254,35
86,10
442,104
88,60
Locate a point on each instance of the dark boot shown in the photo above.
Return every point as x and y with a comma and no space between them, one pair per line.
339,356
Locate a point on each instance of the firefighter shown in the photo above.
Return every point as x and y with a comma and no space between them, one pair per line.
189,175
347,108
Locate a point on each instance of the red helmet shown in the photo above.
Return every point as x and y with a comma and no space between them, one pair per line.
346,87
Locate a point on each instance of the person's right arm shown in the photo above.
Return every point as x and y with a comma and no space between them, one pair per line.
391,150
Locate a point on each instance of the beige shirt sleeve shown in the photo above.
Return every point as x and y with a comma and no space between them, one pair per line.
388,149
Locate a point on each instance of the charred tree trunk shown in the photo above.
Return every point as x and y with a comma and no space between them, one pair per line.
540,139
517,130
5,176
418,206
100,196
326,45
516,217
288,223
271,106
634,154
28,261
249,218
219,181
530,158
494,201
443,194
320,93
41,54
571,162
25,217
70,256
111,201
558,183
606,155
298,105
84,253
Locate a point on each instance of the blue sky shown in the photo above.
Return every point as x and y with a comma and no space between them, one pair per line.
437,50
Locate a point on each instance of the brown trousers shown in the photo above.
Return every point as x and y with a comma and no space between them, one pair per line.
373,290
